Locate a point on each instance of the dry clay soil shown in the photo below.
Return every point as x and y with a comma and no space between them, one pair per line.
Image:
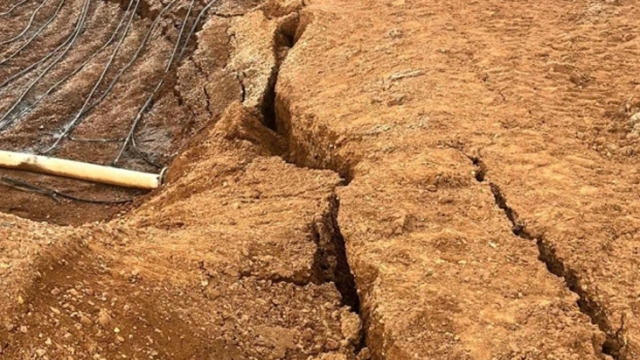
397,179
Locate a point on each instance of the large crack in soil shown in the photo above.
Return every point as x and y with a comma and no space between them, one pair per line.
330,262
587,303
342,275
331,258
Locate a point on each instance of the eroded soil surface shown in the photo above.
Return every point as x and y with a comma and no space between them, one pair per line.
401,179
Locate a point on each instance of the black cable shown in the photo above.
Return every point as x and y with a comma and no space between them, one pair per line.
24,31
41,61
120,73
12,8
78,30
38,32
131,135
74,122
195,26
52,193
74,72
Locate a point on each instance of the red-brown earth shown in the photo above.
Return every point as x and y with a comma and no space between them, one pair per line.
400,179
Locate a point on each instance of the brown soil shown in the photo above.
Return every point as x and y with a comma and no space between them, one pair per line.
405,179
174,117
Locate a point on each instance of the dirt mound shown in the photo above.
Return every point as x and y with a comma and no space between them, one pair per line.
260,272
250,275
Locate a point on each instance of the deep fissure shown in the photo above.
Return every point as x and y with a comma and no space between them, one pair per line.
332,253
588,305
284,41
343,276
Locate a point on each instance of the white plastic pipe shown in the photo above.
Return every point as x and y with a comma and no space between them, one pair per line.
82,171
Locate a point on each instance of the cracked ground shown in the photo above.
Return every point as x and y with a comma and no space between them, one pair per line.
347,180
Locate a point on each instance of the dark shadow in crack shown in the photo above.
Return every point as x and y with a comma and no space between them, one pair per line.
588,304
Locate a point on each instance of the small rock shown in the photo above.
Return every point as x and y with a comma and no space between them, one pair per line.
406,74
364,354
395,33
397,99
41,352
104,319
85,320
332,344
350,326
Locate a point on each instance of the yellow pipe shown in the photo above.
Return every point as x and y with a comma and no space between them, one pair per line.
81,171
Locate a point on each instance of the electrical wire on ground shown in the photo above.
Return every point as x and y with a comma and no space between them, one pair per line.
130,139
173,59
55,86
52,193
45,58
69,129
77,32
73,123
38,32
152,95
84,140
26,28
12,8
